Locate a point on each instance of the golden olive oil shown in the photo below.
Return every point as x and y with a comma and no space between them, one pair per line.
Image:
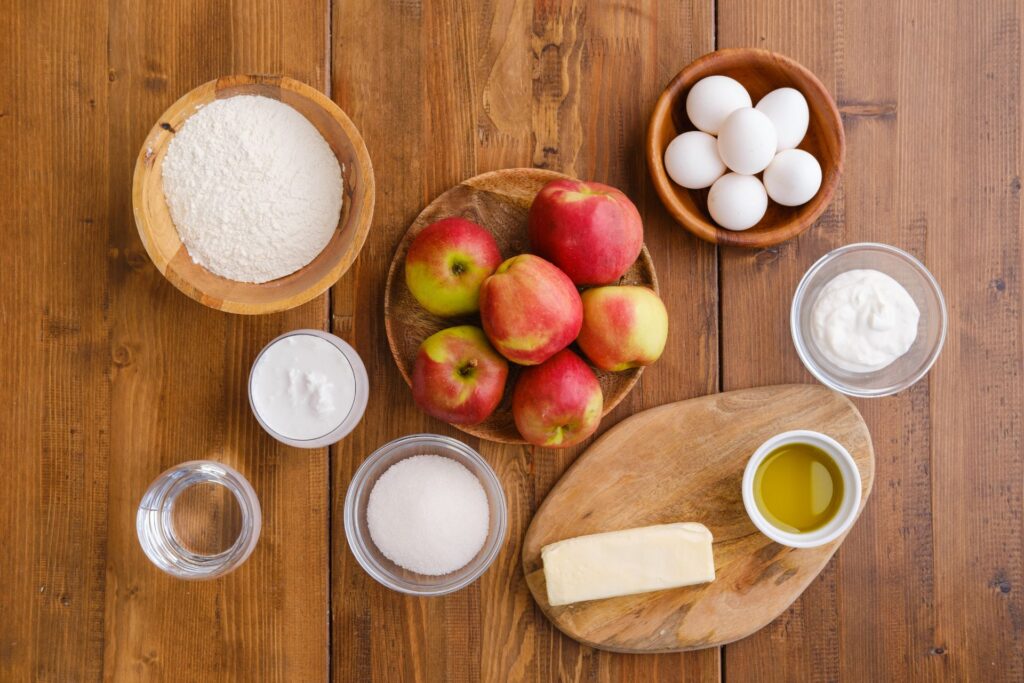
798,488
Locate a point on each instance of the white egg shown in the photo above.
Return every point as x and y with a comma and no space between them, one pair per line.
712,99
746,141
737,202
793,177
787,109
692,160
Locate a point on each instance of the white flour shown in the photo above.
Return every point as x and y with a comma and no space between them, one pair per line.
253,188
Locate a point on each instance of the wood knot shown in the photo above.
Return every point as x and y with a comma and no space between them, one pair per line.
1001,583
136,258
122,356
766,257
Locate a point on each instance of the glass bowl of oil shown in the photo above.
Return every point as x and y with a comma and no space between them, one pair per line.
802,489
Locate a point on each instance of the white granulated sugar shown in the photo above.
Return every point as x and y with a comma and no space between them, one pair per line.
428,514
253,188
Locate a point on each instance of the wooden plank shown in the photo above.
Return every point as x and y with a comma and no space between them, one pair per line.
925,585
116,375
559,85
54,432
170,378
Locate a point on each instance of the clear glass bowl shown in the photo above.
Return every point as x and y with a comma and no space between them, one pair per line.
384,570
919,283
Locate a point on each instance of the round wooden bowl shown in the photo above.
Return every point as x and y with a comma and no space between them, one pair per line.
499,201
760,72
160,237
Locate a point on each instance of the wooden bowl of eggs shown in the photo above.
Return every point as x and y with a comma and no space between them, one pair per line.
285,232
745,148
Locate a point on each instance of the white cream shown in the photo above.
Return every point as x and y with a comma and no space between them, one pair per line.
302,387
863,320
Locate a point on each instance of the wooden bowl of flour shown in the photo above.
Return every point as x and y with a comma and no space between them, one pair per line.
160,236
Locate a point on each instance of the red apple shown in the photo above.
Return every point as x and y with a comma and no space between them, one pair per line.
530,310
589,230
457,376
557,403
623,327
446,264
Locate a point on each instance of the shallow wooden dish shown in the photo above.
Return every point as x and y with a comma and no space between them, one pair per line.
760,72
160,237
499,201
684,462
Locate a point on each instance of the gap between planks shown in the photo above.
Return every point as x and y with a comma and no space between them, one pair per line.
329,315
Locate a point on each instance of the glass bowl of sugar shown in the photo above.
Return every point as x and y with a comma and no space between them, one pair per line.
425,515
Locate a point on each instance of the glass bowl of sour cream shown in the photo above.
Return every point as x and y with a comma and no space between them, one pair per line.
868,320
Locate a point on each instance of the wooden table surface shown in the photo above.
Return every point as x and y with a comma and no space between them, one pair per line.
110,375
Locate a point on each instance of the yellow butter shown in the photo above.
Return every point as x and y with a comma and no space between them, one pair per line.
627,562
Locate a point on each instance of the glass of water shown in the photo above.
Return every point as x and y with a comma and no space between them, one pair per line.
199,520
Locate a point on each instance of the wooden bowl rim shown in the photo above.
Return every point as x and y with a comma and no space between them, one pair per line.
486,179
698,224
205,93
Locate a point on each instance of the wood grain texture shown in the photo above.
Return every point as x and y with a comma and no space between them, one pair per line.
116,375
178,381
499,201
760,72
55,429
160,236
684,462
926,586
179,388
113,375
551,84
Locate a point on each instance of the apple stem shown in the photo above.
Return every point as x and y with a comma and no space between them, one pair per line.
468,368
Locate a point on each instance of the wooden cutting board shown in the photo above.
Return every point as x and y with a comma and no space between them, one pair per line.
683,462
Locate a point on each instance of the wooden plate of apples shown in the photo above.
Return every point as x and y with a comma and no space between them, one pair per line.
500,342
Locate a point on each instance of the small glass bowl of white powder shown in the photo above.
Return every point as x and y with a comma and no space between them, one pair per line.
868,320
308,388
425,515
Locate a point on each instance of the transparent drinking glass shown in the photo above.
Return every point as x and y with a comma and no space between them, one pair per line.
199,520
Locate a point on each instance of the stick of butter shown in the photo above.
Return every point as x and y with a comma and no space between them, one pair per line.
628,562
